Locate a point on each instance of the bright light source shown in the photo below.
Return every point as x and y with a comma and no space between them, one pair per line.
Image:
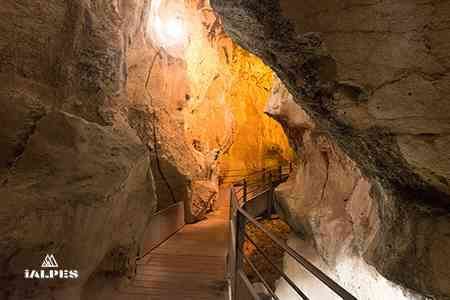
169,32
167,26
174,29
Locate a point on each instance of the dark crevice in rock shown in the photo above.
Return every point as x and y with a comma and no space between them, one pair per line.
355,93
327,171
25,137
155,149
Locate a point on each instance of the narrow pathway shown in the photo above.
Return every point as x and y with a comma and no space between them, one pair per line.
191,265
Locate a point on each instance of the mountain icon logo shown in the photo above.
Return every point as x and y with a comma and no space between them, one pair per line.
49,261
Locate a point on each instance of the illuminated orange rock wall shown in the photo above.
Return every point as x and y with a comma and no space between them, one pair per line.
259,141
229,88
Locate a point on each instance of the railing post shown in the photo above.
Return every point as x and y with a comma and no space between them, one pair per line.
232,255
290,167
280,170
240,238
245,191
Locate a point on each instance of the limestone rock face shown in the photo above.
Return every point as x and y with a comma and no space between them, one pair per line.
19,113
76,176
373,77
225,120
346,222
78,191
93,138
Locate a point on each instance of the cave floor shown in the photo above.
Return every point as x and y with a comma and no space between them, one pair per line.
190,265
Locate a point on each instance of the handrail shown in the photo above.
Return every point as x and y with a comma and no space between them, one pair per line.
308,266
247,175
165,209
282,274
252,265
241,187
255,171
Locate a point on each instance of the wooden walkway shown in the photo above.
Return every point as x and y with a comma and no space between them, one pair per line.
191,265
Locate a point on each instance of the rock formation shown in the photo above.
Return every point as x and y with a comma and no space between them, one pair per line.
346,68
228,91
334,198
102,125
341,221
373,77
98,130
75,177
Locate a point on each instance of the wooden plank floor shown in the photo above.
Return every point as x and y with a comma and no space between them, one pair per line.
191,265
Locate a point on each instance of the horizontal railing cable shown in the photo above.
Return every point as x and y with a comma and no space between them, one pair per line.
264,282
282,274
248,188
306,264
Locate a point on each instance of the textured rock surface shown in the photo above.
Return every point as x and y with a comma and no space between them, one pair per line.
229,87
354,274
80,191
157,85
77,180
367,83
346,222
373,76
201,123
94,136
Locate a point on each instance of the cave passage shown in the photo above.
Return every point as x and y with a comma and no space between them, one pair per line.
225,93
209,127
207,149
222,95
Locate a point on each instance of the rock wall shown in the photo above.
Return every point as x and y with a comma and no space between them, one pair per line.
373,77
346,73
342,220
208,97
156,86
95,133
81,148
229,87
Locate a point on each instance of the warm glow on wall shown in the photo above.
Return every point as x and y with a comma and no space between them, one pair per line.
229,91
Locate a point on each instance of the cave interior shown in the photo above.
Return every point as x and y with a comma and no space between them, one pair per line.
128,125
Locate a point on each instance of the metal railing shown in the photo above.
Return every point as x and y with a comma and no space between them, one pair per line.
259,187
